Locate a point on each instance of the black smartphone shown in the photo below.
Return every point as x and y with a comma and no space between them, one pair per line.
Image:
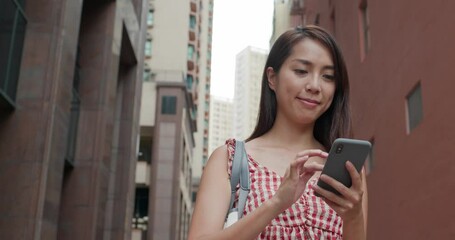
343,150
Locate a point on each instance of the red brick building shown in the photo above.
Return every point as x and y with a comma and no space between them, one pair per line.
70,87
399,56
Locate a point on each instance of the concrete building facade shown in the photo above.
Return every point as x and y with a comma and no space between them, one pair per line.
174,116
249,64
398,55
70,95
281,18
203,79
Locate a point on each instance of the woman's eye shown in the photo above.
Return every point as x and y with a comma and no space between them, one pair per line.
300,71
329,77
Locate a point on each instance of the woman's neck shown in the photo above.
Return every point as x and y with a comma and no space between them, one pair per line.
291,135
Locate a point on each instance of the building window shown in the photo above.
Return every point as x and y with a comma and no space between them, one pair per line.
182,217
145,150
332,22
414,107
148,48
150,18
147,75
364,27
204,160
189,82
141,205
206,142
12,33
74,115
193,113
193,196
211,6
169,105
190,54
192,22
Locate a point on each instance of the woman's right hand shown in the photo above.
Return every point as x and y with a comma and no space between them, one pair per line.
296,177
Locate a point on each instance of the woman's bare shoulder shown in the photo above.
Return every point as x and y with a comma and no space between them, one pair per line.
218,160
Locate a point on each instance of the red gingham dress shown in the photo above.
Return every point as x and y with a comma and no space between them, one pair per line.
308,218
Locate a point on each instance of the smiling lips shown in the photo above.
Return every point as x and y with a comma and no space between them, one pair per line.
309,102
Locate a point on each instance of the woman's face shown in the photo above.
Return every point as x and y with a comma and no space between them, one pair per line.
305,84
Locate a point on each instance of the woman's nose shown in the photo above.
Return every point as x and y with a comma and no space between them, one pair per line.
313,85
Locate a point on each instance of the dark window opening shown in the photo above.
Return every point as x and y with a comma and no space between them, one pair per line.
150,18
192,22
414,108
365,26
12,34
145,150
193,196
189,82
141,206
168,105
74,114
332,22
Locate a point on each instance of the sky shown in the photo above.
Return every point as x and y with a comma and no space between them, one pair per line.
237,24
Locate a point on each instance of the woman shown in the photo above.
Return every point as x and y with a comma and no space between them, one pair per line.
304,107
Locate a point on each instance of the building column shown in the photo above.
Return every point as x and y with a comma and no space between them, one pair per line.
33,137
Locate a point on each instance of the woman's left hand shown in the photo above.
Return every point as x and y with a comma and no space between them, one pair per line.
348,205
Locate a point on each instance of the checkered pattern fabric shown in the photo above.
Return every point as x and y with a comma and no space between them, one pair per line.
309,218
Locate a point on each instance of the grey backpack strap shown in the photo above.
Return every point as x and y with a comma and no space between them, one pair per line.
235,172
244,180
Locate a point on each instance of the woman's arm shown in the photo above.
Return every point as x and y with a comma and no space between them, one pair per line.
213,198
213,202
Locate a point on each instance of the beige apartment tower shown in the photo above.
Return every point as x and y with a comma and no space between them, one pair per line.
221,125
174,116
249,65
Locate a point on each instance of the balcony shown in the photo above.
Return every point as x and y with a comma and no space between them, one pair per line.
195,96
192,36
190,65
143,173
193,7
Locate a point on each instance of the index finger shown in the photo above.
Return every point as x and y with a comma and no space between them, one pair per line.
313,153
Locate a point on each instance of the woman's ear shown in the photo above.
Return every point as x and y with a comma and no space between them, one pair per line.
271,78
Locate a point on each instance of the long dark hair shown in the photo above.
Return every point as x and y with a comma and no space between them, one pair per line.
333,123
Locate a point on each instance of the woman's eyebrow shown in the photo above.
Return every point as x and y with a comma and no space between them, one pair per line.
309,63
